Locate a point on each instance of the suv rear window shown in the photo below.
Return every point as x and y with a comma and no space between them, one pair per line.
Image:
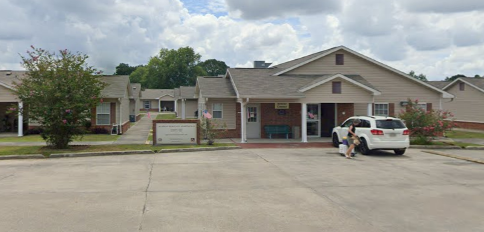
389,124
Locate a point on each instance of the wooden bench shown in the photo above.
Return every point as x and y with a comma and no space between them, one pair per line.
277,129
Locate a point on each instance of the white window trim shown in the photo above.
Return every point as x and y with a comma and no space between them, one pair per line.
422,103
144,105
222,111
382,103
109,114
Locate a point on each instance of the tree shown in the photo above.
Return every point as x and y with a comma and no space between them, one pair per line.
171,69
125,69
139,75
60,90
453,78
421,76
214,67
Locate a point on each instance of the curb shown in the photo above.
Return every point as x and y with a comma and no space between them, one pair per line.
10,157
434,147
475,148
199,149
454,156
108,153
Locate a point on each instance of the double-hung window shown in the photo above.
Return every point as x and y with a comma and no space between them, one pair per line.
217,110
103,114
147,104
381,109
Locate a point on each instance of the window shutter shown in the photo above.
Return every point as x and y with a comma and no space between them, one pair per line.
340,60
113,112
391,109
429,106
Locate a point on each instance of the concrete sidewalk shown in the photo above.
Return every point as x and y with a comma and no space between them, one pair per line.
45,144
139,132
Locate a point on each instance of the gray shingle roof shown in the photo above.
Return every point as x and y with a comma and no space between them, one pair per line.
288,64
156,93
261,83
187,92
438,84
177,93
213,87
117,86
7,77
478,82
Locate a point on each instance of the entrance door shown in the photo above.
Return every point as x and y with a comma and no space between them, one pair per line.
253,121
327,119
313,120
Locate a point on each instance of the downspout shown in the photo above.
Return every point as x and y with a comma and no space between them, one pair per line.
120,124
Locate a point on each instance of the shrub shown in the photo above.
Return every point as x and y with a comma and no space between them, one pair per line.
212,129
423,124
99,130
34,131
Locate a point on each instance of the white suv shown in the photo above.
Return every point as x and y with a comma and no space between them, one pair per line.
376,133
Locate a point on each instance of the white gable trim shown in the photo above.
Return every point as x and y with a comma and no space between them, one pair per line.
374,91
444,94
462,80
165,95
7,86
233,83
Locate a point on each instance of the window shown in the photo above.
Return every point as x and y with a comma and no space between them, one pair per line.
347,123
337,87
217,111
422,106
147,104
389,124
103,114
365,124
462,86
251,114
381,109
340,59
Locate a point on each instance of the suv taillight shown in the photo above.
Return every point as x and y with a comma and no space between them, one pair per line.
406,132
376,132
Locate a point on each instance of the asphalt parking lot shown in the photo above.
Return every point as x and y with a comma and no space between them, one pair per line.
243,190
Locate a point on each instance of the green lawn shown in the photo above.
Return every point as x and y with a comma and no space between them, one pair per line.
26,150
457,134
37,138
166,116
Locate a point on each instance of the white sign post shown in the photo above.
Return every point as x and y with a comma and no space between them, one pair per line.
176,133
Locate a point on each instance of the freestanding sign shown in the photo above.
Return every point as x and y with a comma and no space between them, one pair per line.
175,132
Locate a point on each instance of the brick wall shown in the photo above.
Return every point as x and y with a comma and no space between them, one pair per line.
125,127
348,109
138,117
469,125
271,116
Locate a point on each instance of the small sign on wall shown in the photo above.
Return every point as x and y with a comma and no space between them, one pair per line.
282,106
176,133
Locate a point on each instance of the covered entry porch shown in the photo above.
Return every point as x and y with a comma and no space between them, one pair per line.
11,123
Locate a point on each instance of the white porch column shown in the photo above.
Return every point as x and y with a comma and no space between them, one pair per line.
243,122
20,119
369,111
159,105
183,108
304,125
176,110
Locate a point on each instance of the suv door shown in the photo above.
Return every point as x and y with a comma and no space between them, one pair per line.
343,131
392,129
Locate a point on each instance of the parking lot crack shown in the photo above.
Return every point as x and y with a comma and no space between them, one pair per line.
140,227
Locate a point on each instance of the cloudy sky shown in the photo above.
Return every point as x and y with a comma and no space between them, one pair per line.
437,38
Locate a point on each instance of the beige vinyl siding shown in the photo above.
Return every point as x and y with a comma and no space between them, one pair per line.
350,93
361,109
154,104
255,100
394,87
167,98
124,110
228,111
7,95
191,105
467,105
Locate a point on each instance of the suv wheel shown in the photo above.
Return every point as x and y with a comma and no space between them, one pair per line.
364,148
335,140
399,151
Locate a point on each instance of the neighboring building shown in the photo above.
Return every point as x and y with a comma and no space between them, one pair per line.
114,110
311,94
468,104
186,103
135,102
157,100
8,98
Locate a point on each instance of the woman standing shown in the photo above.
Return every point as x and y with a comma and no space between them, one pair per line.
351,135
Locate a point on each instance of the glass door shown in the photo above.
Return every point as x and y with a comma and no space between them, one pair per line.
313,119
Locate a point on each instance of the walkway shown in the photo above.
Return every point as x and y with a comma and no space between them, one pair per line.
138,134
